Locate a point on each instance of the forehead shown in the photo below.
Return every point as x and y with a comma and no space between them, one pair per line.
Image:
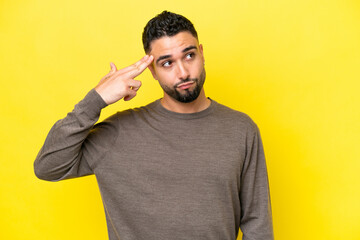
171,45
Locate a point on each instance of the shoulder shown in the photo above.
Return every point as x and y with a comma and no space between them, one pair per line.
131,115
236,118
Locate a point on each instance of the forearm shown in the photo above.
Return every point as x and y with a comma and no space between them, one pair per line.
62,151
256,215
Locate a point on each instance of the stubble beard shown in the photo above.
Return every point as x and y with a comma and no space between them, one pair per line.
189,95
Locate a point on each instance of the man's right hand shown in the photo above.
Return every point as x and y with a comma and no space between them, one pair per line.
118,84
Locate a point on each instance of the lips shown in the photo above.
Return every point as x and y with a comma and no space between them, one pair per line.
185,85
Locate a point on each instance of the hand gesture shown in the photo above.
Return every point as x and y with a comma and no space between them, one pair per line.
118,84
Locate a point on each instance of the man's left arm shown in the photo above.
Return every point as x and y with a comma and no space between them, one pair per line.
256,216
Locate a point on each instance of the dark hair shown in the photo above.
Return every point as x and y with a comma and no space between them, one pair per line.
165,24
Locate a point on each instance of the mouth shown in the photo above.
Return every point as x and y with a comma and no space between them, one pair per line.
185,85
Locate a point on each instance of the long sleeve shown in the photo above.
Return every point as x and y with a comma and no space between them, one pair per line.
63,154
256,216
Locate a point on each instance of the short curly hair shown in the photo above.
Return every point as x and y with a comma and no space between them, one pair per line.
165,24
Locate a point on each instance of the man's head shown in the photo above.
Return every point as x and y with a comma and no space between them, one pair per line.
165,24
178,58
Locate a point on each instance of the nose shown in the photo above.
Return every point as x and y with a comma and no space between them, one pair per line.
182,71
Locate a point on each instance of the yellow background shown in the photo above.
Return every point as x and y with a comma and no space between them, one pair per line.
293,66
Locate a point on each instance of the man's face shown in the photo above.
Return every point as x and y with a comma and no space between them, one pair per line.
178,66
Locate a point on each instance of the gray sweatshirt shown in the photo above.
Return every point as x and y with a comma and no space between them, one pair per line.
165,175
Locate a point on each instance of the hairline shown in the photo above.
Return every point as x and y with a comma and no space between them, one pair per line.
166,35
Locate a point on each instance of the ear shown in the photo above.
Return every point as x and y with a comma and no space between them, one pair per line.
202,52
152,70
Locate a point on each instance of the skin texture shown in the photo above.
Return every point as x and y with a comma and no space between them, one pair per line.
177,62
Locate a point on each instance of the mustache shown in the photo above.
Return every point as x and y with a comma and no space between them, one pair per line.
185,81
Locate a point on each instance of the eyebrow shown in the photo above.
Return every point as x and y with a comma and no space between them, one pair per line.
189,48
169,56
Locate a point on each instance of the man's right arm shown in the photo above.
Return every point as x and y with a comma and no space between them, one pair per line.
64,153
61,156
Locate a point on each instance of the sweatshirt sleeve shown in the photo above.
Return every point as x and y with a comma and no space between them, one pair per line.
256,216
63,154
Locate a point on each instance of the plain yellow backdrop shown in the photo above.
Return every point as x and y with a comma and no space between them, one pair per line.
293,66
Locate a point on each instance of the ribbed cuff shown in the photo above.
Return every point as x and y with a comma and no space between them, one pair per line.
92,104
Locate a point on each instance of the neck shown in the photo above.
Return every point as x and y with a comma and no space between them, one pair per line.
199,104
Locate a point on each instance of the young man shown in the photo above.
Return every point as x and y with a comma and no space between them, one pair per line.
182,167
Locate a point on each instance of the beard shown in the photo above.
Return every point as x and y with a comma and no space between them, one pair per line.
188,95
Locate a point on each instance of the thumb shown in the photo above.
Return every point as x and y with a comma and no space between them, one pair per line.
113,67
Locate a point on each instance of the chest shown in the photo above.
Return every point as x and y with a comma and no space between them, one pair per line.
188,157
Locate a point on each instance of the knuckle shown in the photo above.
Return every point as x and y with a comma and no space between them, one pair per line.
135,66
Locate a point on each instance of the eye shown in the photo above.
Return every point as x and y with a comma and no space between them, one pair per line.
190,55
166,64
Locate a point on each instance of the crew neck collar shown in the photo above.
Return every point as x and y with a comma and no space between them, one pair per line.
159,107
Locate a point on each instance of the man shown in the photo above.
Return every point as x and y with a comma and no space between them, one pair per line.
182,167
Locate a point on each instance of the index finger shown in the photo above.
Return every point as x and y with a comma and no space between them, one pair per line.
140,66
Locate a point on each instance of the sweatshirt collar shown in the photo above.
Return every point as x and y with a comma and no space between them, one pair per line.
159,107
